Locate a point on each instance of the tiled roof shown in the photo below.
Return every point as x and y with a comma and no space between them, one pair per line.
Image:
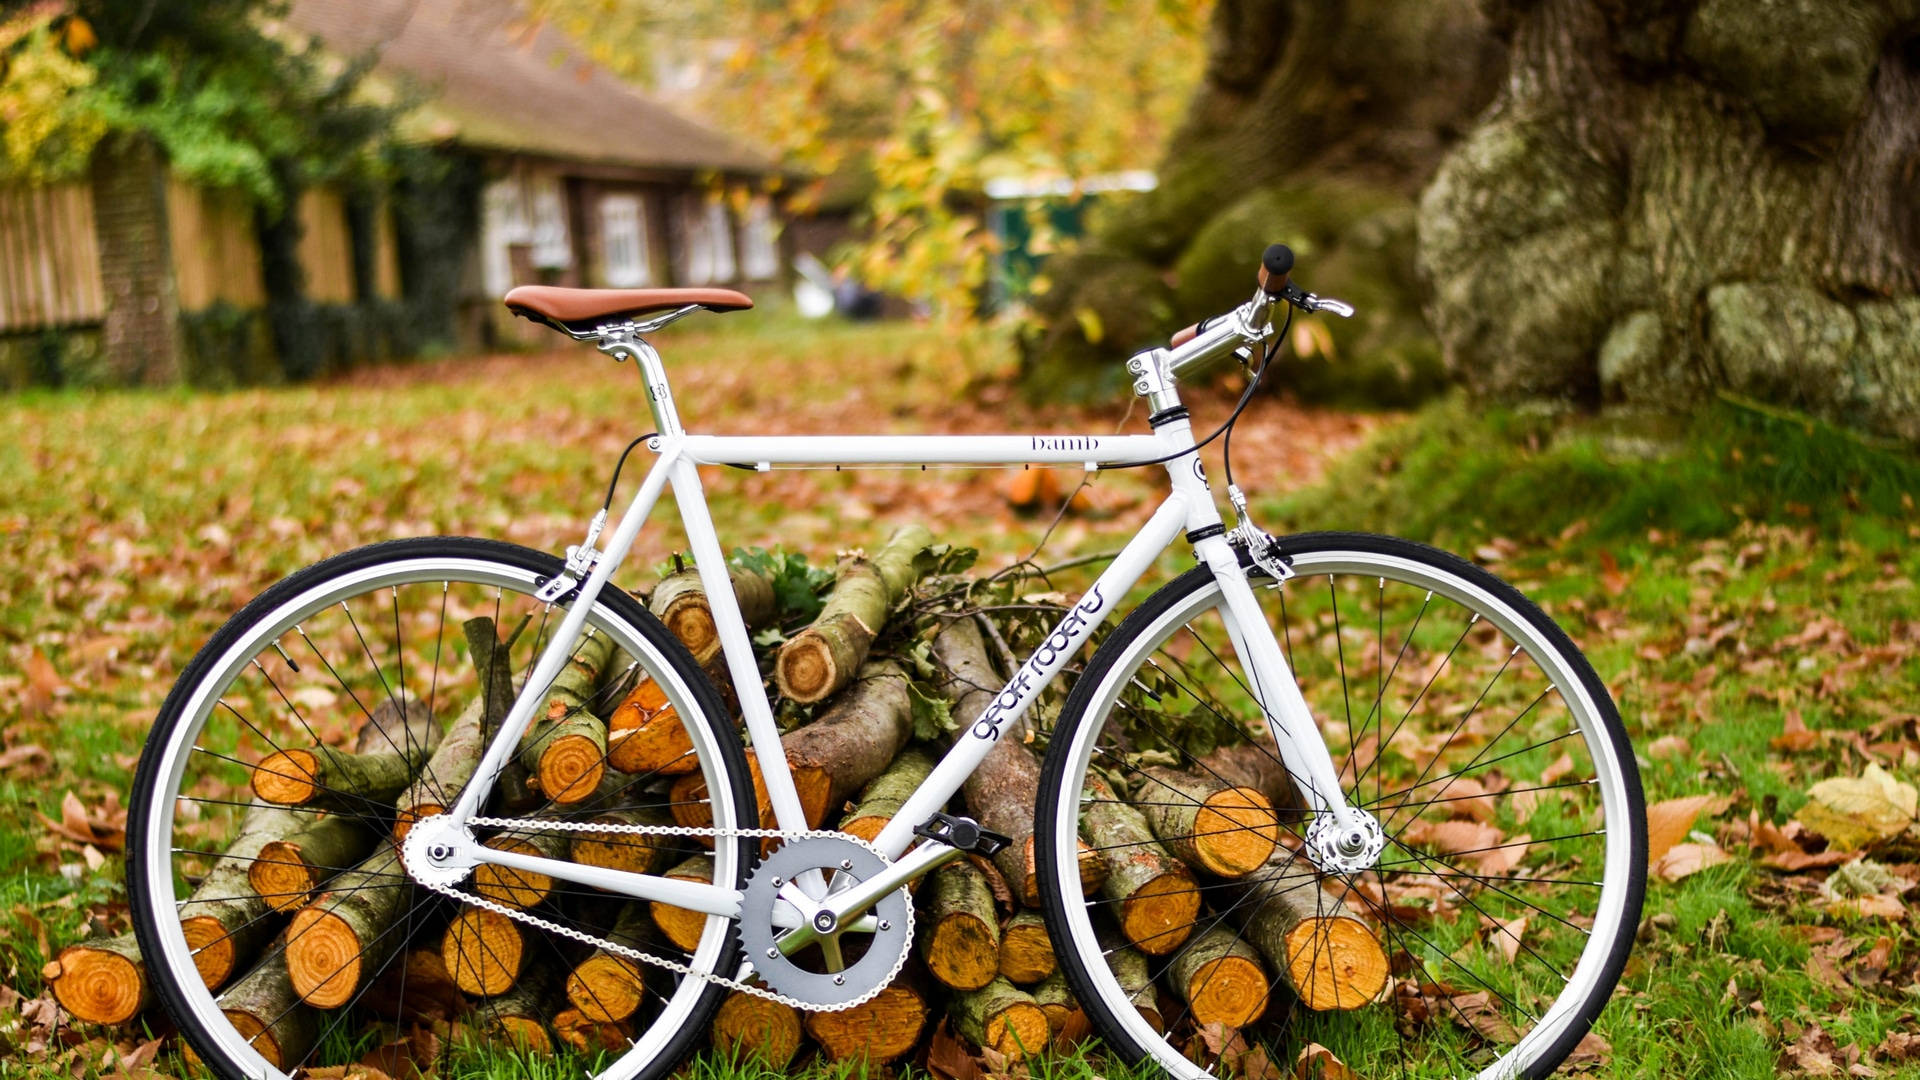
496,81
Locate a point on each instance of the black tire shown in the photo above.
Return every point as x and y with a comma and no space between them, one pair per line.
1059,891
148,909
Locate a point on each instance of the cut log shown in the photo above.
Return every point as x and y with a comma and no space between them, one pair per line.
1257,766
102,981
1004,1017
416,988
565,751
645,735
1154,895
389,749
753,1026
514,888
688,802
225,922
264,1009
959,930
518,1018
887,793
337,943
606,985
852,742
1055,999
453,762
818,662
1328,953
883,1029
631,852
287,872
1208,824
680,925
1135,975
1221,979
589,1036
484,951
680,602
1026,951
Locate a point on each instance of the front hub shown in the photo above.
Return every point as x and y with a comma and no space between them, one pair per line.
1352,846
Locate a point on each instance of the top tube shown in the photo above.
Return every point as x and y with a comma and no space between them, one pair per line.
767,451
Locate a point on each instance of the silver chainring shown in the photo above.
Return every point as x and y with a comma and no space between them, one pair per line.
824,979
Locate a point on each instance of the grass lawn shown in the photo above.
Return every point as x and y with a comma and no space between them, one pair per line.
1750,599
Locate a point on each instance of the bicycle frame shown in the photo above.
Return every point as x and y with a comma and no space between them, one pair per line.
1189,508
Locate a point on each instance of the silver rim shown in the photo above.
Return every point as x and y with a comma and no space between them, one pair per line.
1608,911
176,960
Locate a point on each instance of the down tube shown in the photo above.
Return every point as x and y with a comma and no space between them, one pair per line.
1040,669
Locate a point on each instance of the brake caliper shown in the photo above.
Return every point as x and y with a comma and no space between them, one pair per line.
1259,544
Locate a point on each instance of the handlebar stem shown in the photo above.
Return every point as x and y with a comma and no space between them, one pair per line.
1226,336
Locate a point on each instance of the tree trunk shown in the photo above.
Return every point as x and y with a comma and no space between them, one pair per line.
265,1011
1221,979
1208,824
852,742
680,602
225,922
336,943
817,662
388,750
1154,895
286,872
1134,973
959,930
1003,1016
767,1030
1700,196
888,792
1314,124
1257,767
1328,954
1026,951
883,1029
566,749
484,951
102,981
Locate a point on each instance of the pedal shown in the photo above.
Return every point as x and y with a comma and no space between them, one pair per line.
963,833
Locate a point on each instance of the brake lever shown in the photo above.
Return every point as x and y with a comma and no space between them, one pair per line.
1328,304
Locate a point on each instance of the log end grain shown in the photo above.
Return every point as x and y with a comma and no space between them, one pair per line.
212,945
570,768
288,777
282,877
256,1032
483,951
1092,866
1335,963
645,735
866,828
1159,915
681,926
606,987
403,821
588,1035
517,889
805,670
523,1033
1231,990
636,854
323,958
767,1030
1235,832
98,984
1019,1031
881,1030
963,952
1026,952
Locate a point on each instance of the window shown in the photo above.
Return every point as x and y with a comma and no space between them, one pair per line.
708,255
505,224
550,247
720,228
760,241
623,242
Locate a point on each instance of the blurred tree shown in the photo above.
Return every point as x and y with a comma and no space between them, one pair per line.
1675,197
923,102
1316,124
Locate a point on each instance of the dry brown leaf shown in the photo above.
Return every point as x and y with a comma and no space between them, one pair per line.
1478,1013
1505,935
1316,1062
43,682
1669,746
1794,736
1872,906
1454,837
1685,860
31,758
1811,1054
1669,821
947,1057
1591,1052
1854,813
1553,773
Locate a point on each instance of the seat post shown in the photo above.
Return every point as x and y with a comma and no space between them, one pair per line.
621,342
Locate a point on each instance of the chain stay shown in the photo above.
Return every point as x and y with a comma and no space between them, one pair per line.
648,958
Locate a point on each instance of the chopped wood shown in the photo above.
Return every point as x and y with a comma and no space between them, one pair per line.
680,602
337,942
514,888
453,762
416,988
1134,973
1055,999
102,981
883,1029
645,735
518,1018
390,748
747,1025
633,852
1154,895
1221,979
959,930
1026,950
1207,823
1004,1017
1328,953
690,806
225,921
607,985
819,661
1257,765
287,872
851,742
589,1036
888,792
264,1009
484,951
680,925
565,750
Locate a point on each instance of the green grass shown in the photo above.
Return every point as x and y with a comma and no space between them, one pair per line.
135,522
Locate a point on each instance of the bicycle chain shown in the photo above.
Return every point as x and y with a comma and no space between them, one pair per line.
660,961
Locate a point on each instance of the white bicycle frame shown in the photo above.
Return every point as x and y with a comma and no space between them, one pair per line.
1188,509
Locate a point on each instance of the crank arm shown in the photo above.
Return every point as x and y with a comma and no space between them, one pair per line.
855,901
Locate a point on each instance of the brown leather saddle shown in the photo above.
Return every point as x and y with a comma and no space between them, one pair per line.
580,311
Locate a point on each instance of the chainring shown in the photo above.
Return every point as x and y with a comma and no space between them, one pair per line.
841,860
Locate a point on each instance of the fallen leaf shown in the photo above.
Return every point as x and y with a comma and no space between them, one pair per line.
1669,821
1794,736
1505,935
1669,746
1685,860
1854,813
947,1057
1477,1012
1875,906
43,682
1553,773
1591,1052
1811,1054
32,756
1454,837
1316,1062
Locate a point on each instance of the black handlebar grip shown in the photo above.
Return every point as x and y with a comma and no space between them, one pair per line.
1275,265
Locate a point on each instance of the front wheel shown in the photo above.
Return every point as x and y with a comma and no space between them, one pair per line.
1493,926
279,923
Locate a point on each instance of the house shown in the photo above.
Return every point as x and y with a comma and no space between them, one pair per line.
551,169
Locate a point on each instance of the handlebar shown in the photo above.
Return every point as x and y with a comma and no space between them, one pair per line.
1197,348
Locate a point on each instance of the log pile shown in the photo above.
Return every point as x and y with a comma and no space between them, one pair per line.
1206,915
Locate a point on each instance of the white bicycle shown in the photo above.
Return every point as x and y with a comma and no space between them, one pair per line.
1446,782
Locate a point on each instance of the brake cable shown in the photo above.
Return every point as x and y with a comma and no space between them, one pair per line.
1226,428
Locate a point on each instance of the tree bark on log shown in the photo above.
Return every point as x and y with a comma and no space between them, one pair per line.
1257,767
883,1029
453,762
1221,979
264,1009
607,986
336,943
1208,824
959,929
1055,999
1154,894
888,792
484,951
817,662
287,872
1004,1017
224,921
518,1017
1026,951
1134,973
565,751
747,1025
683,926
1331,957
680,602
102,981
852,742
388,750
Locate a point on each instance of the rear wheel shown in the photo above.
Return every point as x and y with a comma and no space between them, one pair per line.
279,925
1495,923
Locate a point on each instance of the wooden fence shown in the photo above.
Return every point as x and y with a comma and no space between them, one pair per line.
49,262
216,252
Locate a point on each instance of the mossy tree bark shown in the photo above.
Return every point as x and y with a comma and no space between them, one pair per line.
1314,124
818,661
1672,198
